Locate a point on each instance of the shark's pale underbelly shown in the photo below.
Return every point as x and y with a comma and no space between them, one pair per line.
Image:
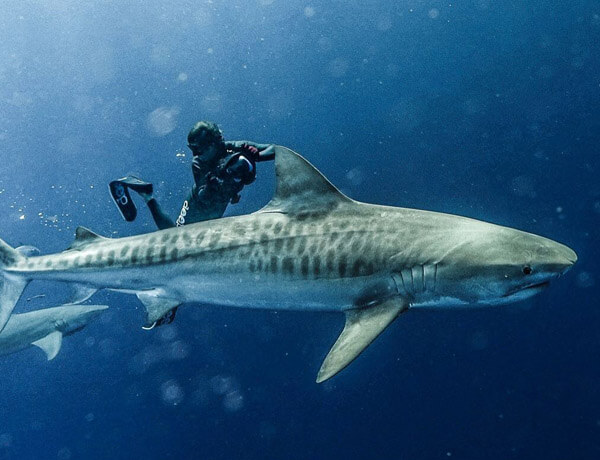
273,294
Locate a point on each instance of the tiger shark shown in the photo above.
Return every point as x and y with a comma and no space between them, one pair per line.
310,248
46,328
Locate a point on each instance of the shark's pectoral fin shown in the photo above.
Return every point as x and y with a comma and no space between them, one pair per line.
156,306
50,344
362,327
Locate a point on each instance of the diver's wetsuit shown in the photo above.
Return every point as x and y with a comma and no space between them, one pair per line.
216,184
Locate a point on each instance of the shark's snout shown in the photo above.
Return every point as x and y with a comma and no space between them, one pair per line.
565,258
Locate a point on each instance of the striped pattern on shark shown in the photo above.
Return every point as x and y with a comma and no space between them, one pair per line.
310,248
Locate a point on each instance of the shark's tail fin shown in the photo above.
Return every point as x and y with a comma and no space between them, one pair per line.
11,287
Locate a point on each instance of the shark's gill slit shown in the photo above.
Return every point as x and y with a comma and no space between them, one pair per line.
402,279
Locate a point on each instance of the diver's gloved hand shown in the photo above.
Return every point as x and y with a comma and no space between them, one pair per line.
260,152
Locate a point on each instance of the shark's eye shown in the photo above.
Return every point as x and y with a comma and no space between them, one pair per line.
527,270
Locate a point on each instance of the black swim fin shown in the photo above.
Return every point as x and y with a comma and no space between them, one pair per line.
119,190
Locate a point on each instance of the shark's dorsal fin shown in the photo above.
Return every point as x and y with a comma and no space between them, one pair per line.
83,237
300,187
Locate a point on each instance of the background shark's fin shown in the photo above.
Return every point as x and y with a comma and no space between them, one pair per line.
50,344
83,237
300,187
156,307
27,250
81,292
11,287
362,327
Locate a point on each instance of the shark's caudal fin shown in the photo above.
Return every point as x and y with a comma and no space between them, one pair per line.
301,188
11,287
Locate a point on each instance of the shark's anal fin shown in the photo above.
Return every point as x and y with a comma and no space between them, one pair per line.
50,344
156,306
362,327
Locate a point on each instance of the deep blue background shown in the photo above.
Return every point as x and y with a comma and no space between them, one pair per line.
481,108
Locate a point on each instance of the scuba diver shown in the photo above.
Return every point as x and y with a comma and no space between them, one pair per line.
220,168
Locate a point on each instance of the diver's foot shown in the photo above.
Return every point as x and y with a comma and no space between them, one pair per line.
119,190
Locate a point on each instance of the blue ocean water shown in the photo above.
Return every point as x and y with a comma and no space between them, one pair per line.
479,108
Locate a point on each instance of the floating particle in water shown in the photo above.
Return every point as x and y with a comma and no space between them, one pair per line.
6,440
162,120
523,186
384,23
433,13
338,67
355,176
233,401
107,347
325,44
212,103
64,454
178,350
168,333
182,77
585,280
309,11
90,417
222,384
160,55
280,104
171,392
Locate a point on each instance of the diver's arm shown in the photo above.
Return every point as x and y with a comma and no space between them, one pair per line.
260,152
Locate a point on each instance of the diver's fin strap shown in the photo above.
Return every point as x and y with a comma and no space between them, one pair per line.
136,184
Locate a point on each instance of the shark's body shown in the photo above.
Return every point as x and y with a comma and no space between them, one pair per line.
310,248
46,328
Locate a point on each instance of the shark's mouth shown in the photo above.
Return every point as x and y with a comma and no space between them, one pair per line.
541,285
535,286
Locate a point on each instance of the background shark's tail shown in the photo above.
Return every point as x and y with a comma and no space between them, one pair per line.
11,287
